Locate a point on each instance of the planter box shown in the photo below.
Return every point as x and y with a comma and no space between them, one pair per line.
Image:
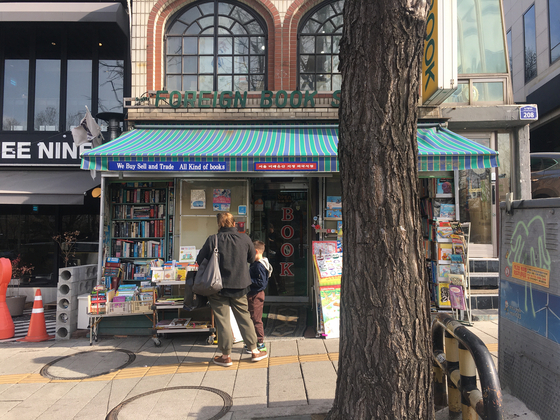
16,304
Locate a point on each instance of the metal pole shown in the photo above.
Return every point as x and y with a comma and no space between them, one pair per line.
452,356
469,393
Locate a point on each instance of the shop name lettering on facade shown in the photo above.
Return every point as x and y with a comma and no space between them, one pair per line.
287,249
237,99
42,153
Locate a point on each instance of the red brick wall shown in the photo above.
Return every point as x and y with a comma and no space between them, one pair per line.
282,40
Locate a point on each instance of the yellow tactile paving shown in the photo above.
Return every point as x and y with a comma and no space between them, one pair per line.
492,347
314,358
284,360
12,379
33,378
162,370
139,372
108,377
132,373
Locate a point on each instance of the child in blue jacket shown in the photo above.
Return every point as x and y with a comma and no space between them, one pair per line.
260,272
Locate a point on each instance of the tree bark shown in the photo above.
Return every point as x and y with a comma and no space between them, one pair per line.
385,345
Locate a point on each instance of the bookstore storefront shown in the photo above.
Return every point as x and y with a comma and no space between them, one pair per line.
162,188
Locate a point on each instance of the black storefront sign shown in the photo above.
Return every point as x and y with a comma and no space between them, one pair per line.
38,149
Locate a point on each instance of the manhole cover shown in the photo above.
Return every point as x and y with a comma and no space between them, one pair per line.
173,403
87,364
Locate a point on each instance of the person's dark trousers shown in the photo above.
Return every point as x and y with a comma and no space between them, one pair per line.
220,306
256,304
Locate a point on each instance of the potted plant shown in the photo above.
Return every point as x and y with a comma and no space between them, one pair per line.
67,242
15,301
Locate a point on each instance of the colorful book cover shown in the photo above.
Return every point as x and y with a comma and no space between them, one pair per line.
444,186
443,270
444,252
457,258
457,297
334,202
187,254
330,305
447,211
443,295
444,231
334,213
455,268
221,199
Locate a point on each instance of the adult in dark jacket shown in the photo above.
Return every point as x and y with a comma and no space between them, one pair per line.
235,252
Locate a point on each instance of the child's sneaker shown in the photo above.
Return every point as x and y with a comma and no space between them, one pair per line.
260,346
255,357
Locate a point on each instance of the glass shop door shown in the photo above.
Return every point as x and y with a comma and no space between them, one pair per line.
280,220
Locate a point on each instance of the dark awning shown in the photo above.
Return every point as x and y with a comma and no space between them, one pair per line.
45,187
64,12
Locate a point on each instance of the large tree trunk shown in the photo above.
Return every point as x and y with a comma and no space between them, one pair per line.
385,355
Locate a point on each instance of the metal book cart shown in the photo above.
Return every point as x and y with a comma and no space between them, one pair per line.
116,309
191,326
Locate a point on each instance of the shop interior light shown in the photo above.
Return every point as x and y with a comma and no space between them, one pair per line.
96,192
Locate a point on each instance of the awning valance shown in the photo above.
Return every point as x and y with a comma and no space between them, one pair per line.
241,148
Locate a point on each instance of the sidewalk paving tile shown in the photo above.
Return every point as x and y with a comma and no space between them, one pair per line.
316,346
320,382
250,383
283,348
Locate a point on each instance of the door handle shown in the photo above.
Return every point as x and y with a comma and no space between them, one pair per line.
493,194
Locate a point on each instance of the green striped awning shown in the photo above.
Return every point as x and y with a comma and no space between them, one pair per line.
440,149
266,148
240,148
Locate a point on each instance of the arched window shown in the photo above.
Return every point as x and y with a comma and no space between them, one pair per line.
319,38
216,46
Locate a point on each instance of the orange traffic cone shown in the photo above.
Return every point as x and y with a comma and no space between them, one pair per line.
37,326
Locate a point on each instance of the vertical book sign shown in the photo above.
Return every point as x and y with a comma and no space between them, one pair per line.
430,61
439,64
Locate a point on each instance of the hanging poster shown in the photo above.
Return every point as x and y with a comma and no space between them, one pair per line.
324,247
198,199
187,254
330,305
328,268
221,199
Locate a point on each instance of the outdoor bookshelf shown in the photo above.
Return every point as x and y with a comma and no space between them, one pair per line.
141,225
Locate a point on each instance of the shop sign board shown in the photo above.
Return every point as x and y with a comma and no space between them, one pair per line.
30,151
134,166
439,64
285,166
237,99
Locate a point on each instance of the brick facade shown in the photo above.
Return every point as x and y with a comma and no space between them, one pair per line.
282,18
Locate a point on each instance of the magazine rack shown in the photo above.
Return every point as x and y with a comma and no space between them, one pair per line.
464,315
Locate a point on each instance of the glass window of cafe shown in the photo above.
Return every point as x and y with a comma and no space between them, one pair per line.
27,231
